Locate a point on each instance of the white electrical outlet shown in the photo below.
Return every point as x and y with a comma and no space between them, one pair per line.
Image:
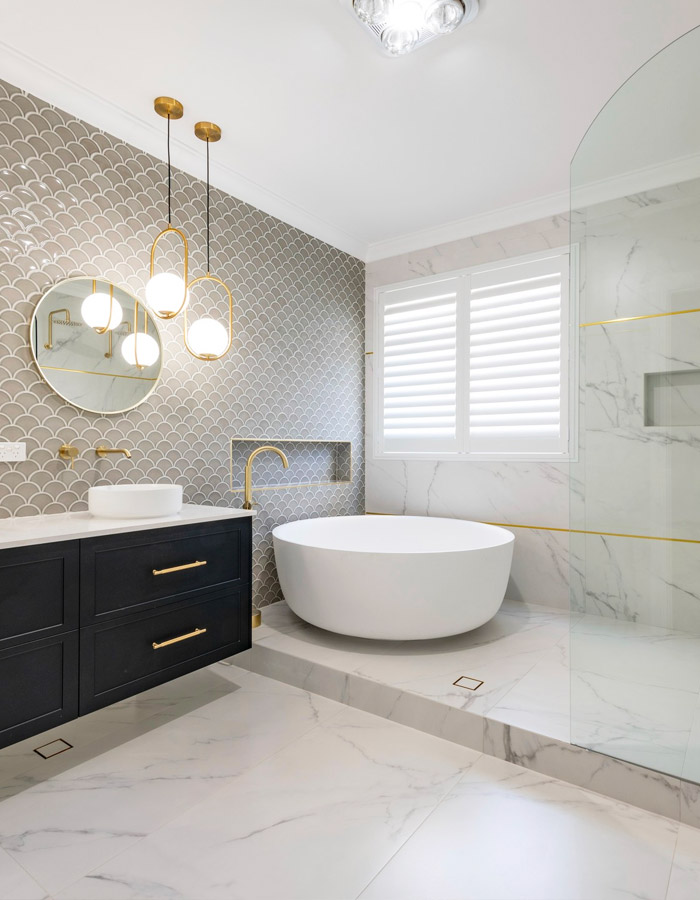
16,452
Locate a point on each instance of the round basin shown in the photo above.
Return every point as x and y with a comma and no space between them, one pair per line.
135,501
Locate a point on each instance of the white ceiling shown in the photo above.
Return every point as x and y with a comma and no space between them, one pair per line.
375,155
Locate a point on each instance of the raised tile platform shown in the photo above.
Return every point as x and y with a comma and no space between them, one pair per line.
635,690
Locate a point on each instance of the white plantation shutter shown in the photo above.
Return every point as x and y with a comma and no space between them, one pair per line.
418,364
475,363
517,330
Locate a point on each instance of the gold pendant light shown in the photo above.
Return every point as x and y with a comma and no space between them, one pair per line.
166,292
207,339
140,349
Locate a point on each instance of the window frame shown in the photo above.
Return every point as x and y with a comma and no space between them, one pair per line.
569,364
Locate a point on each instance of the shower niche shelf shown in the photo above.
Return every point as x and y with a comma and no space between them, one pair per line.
312,463
672,398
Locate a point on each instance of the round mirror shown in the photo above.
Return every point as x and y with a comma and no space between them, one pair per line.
96,345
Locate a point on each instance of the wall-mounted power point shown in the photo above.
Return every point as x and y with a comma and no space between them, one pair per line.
16,452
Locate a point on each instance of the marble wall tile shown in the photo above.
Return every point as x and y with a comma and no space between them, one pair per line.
528,493
76,201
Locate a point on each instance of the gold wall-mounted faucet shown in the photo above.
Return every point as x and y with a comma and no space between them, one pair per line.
248,486
102,451
69,453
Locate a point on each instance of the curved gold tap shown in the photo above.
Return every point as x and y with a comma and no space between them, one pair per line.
248,492
102,451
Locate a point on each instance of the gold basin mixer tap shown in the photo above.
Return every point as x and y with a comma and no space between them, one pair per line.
248,491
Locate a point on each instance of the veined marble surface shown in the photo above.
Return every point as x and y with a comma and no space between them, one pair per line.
605,704
226,784
25,530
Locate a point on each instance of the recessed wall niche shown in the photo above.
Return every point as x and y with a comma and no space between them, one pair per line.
672,398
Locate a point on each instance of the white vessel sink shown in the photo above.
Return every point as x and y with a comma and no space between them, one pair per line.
135,501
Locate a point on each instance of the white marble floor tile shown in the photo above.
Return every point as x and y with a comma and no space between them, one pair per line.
15,883
540,701
685,874
504,833
61,828
111,726
644,724
316,820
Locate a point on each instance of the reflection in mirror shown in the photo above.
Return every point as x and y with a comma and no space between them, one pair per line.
91,349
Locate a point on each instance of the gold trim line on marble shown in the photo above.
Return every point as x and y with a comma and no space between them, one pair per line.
182,637
641,537
282,487
677,312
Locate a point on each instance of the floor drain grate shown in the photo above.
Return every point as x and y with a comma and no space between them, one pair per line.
53,748
469,684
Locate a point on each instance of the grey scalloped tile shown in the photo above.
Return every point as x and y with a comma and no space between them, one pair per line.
73,201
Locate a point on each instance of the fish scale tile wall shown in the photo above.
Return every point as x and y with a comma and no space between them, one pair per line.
76,201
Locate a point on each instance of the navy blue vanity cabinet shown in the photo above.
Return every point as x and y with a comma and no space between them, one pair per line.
85,623
157,604
39,617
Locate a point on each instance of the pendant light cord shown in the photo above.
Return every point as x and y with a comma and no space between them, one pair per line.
169,178
208,215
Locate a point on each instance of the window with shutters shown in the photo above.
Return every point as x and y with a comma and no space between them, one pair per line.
475,363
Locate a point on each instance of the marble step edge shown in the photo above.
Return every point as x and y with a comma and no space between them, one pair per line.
653,791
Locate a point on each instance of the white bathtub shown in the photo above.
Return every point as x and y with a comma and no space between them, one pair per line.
393,577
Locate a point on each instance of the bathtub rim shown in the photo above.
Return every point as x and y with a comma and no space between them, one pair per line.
507,537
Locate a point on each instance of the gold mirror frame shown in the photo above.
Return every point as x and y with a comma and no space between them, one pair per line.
194,281
137,303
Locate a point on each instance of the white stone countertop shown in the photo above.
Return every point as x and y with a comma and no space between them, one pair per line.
23,531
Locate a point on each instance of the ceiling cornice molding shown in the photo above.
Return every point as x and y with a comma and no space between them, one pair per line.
460,229
31,75
649,178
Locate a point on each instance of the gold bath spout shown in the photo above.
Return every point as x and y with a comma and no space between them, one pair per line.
248,491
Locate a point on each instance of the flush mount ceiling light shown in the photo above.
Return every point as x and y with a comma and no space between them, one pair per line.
403,25
207,339
166,292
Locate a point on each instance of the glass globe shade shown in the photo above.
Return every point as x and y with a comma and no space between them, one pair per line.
148,349
398,42
164,293
372,12
95,311
407,15
207,338
444,16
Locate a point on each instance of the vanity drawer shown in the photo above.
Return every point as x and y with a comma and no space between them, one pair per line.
124,573
40,686
38,592
121,658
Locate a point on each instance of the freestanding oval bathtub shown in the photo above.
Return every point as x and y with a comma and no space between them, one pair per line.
393,577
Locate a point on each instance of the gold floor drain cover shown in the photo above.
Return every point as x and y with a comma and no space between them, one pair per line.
469,684
53,748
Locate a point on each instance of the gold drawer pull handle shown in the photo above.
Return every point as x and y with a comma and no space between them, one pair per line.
193,565
183,637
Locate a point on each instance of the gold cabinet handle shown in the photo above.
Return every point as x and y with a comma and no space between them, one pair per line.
183,637
193,565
